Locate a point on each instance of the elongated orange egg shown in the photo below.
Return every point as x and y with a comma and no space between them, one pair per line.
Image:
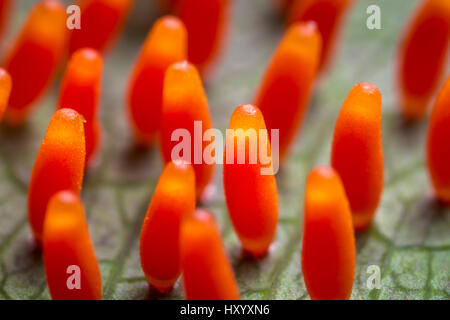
249,182
70,264
100,23
185,119
438,151
423,55
59,165
173,199
5,91
328,253
286,87
165,44
35,57
207,273
80,91
357,152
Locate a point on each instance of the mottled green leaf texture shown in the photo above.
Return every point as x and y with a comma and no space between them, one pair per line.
409,239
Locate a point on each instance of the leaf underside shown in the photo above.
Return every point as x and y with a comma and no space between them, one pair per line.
409,239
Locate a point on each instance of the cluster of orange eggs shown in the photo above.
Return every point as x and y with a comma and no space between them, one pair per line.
166,93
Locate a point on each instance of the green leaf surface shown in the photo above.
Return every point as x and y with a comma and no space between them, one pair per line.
409,239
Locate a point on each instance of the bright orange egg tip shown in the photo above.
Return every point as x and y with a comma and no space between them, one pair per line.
5,91
287,84
250,187
80,90
207,273
59,165
173,199
357,152
85,65
71,266
185,110
328,248
166,44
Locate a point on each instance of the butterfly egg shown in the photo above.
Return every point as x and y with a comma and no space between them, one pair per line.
249,182
207,273
422,57
165,44
100,24
437,147
357,152
173,199
287,84
59,165
5,91
207,25
328,253
328,15
71,267
35,57
186,113
80,91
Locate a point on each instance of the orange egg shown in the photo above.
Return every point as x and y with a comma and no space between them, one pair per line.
173,199
34,58
71,267
165,44
59,165
357,152
207,274
80,91
286,87
422,57
207,24
249,182
328,253
186,111
438,151
5,91
328,15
